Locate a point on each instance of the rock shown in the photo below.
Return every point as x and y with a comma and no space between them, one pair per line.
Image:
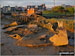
42,37
27,32
13,24
16,36
60,39
32,26
11,28
55,25
60,24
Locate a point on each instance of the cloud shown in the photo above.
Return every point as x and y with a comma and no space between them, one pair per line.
49,3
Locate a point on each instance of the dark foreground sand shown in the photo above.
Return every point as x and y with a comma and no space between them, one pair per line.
9,48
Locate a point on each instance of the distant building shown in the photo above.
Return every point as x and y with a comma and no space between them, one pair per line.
30,11
42,7
13,9
6,9
19,8
23,9
30,6
1,9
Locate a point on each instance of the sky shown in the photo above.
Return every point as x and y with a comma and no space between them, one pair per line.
24,3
